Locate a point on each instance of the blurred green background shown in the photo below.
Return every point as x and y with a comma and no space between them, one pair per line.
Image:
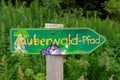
103,16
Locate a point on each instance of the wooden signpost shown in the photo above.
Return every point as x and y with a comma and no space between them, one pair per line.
54,64
54,43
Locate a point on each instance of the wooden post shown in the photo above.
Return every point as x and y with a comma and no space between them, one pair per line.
54,64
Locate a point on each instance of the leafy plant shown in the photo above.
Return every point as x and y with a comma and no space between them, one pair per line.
112,7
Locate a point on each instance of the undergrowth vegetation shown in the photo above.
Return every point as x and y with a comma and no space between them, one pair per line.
99,65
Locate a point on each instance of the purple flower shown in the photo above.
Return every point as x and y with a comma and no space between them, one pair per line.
53,50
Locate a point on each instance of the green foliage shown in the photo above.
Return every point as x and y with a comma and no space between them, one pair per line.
51,4
99,65
113,8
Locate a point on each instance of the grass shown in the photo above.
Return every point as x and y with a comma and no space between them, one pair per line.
99,65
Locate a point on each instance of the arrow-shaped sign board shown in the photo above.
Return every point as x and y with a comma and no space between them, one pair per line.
55,41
